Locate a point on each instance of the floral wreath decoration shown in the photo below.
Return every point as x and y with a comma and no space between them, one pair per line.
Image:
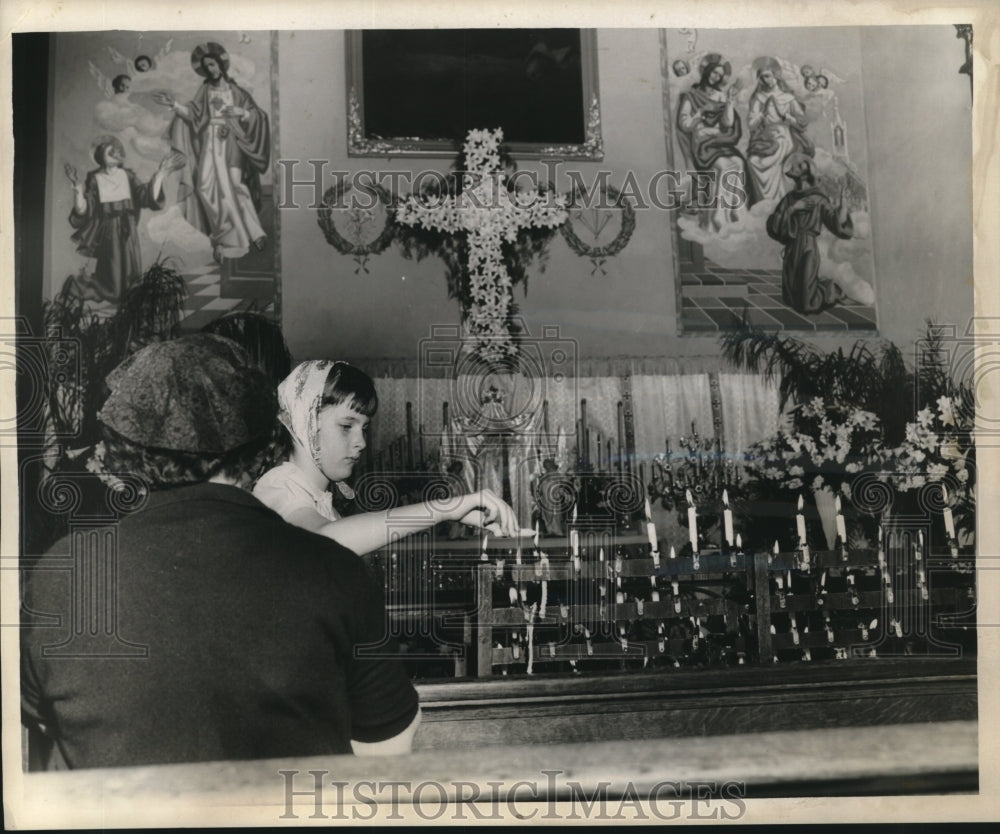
360,251
599,254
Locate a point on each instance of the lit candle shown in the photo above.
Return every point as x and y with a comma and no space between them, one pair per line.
774,551
673,553
651,535
739,542
649,511
531,641
574,513
486,539
537,530
841,524
655,594
517,555
574,541
881,548
727,516
692,522
949,521
544,561
800,523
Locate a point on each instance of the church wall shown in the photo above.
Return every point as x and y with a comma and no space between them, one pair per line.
332,311
916,105
919,112
327,309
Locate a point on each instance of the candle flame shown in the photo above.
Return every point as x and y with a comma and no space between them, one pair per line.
725,497
687,494
800,502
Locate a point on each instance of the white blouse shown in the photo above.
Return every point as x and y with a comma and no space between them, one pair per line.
286,489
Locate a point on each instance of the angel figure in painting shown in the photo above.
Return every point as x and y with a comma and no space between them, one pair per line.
709,128
227,138
797,223
105,214
777,122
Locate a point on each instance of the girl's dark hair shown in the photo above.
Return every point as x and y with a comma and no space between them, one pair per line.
345,383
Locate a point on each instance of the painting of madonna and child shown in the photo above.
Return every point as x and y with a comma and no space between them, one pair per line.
162,152
768,128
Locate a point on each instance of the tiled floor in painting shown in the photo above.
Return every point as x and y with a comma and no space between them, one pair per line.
204,302
715,298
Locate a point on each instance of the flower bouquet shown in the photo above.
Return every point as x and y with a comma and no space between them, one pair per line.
938,451
824,448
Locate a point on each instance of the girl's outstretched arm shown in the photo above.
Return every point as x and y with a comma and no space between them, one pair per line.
367,532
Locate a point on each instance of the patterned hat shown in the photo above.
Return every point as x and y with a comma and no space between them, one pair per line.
199,394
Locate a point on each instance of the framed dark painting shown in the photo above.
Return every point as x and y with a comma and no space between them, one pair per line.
417,92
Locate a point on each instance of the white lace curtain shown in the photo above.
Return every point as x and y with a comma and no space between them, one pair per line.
663,406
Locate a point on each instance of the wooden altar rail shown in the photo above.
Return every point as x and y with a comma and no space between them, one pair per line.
854,761
549,708
759,568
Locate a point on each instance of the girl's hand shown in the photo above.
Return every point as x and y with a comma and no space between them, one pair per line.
491,513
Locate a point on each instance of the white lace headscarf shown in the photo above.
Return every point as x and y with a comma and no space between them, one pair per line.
300,397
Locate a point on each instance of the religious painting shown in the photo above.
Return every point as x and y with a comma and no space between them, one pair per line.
766,135
161,153
418,92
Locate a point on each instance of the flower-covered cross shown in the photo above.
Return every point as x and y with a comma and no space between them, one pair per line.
490,215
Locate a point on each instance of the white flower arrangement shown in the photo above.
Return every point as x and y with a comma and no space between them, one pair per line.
490,215
937,447
827,446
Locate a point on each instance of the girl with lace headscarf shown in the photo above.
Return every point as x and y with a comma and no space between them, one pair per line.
326,407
